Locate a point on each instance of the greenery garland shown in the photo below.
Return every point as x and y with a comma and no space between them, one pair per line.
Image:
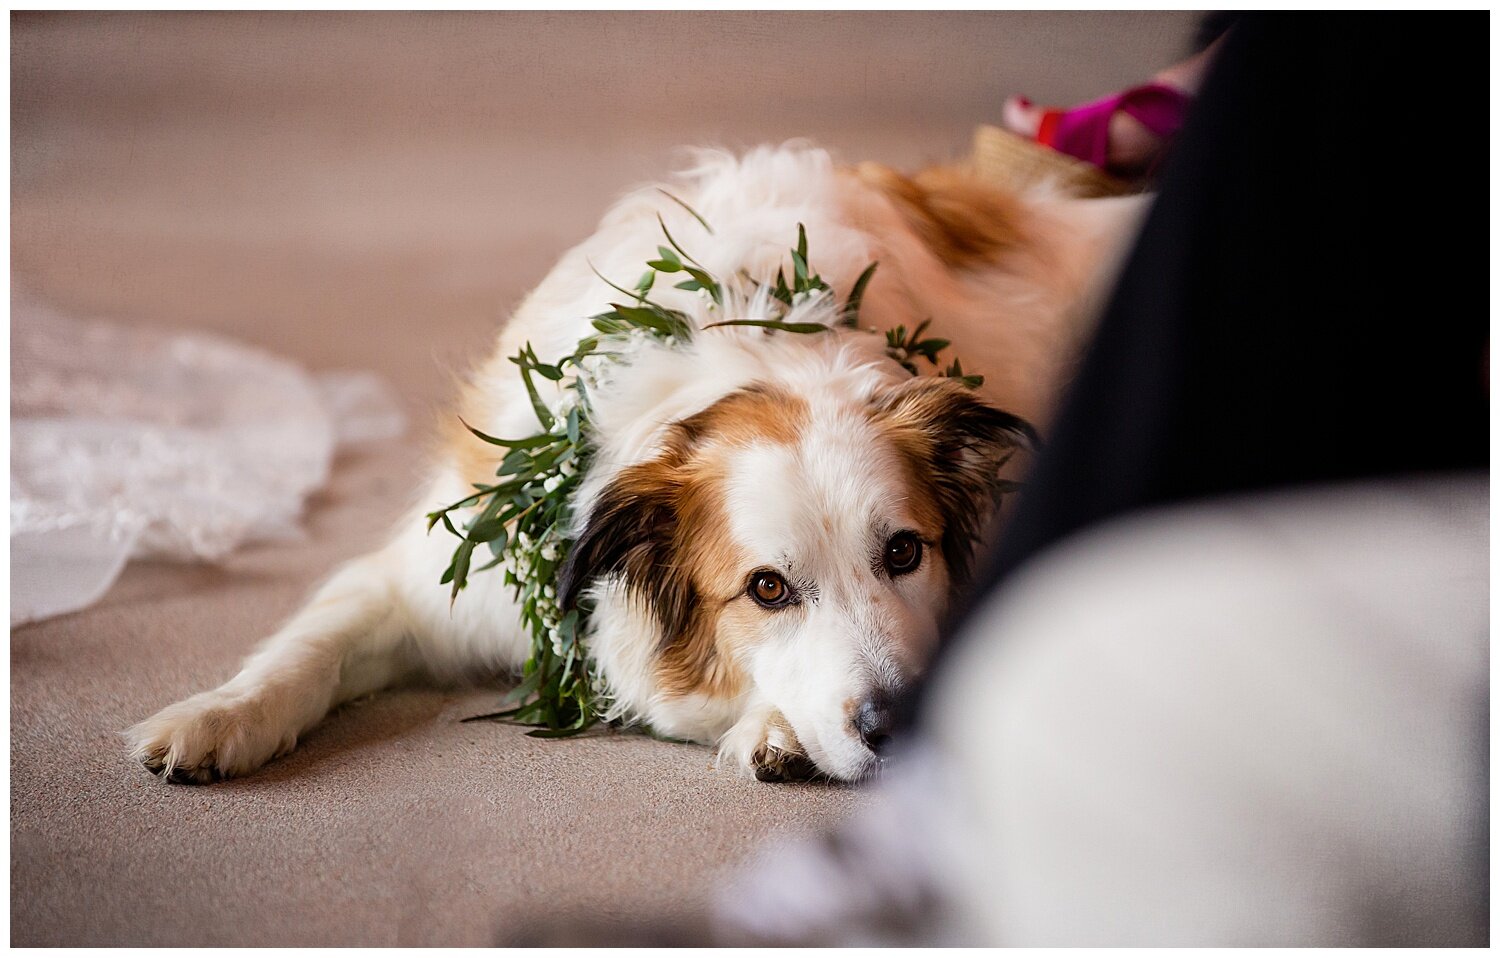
523,519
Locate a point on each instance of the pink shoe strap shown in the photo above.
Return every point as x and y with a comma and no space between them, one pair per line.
1084,130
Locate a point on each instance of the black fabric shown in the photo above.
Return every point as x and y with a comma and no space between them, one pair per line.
1308,299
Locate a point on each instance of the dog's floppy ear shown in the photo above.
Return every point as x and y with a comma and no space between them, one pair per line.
630,531
959,442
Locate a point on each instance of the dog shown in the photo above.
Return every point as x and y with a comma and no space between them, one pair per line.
773,524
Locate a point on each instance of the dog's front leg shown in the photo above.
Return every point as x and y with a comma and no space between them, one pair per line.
348,641
762,743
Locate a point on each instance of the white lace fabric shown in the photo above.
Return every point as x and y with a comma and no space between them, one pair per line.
129,441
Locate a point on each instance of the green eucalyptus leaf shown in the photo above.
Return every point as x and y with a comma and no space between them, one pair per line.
460,567
857,296
486,530
497,544
586,347
526,687
773,324
491,716
515,461
707,282
644,284
780,290
799,271
632,293
675,245
667,321
543,414
532,713
694,212
611,323
556,732
529,442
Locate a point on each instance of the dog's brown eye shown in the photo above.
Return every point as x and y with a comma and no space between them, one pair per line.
770,590
903,553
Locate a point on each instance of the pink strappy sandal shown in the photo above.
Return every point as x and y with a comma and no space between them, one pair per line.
1083,131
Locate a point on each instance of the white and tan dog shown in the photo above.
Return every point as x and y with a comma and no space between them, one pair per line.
774,523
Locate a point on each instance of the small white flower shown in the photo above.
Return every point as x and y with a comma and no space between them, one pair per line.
549,552
547,590
551,483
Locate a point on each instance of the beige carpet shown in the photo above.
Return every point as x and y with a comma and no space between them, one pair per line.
375,191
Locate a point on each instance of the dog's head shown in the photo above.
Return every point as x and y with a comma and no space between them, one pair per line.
800,551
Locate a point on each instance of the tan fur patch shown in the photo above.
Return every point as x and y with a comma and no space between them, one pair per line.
753,414
963,221
916,473
701,658
952,446
909,432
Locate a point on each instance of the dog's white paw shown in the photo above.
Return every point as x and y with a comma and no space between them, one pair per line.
212,735
763,744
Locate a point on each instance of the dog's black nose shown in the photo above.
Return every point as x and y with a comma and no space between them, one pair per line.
874,721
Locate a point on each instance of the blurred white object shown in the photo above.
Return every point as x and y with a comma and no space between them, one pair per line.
1257,721
136,442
